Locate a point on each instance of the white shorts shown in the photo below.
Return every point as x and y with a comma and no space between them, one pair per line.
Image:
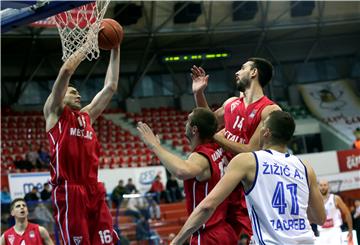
329,236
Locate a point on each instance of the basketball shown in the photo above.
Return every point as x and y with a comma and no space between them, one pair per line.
111,34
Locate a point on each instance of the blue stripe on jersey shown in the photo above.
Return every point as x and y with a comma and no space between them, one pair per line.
257,226
306,173
256,174
268,151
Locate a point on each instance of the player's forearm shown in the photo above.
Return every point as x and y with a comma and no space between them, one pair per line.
200,99
198,217
314,218
173,163
66,71
232,146
349,221
71,64
112,74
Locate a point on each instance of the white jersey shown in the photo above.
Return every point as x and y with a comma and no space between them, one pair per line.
278,200
333,214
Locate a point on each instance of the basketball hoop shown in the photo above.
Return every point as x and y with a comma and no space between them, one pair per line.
77,25
335,186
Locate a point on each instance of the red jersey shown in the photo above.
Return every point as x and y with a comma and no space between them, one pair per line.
74,149
196,191
30,236
240,125
241,122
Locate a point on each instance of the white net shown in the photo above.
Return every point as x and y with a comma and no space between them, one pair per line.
335,186
77,25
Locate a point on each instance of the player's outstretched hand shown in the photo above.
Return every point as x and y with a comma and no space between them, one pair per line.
199,79
147,135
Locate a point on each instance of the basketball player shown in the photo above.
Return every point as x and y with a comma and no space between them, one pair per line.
330,231
80,209
24,232
242,117
281,191
200,172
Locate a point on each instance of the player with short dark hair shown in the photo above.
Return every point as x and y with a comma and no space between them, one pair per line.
200,172
80,209
241,118
281,191
24,232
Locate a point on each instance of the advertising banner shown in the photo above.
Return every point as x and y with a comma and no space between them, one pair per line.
141,177
349,160
335,103
22,183
343,181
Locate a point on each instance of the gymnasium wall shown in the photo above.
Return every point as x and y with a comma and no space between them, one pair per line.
21,183
335,166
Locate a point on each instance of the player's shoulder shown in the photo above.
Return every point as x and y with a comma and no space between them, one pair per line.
270,108
245,158
9,231
337,198
200,156
229,100
32,225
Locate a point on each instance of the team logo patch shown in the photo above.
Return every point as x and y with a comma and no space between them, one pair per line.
32,234
77,239
252,114
11,239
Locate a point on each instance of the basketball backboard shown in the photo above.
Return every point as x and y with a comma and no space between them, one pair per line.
17,13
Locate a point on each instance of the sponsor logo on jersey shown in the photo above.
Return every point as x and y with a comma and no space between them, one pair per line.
253,113
235,138
32,234
77,239
81,133
11,239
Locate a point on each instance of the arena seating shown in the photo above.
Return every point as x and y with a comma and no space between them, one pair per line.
168,123
19,130
173,216
119,148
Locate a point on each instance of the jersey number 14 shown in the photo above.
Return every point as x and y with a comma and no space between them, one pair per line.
278,199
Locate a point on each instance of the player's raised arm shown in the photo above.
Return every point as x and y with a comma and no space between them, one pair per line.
102,99
54,103
195,165
316,209
199,84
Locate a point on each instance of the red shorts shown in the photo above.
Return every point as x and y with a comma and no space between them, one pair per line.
82,215
237,214
218,234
